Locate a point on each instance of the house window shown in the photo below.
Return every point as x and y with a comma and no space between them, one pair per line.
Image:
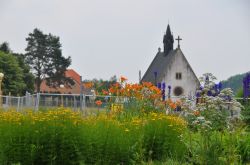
178,76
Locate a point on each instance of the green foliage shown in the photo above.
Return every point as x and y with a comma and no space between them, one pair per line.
239,93
216,135
13,81
220,110
100,85
44,55
216,147
234,82
4,47
244,147
161,141
64,137
246,114
28,77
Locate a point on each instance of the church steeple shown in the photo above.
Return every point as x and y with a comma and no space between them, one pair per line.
168,41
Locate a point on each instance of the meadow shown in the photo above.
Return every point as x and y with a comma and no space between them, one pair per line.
139,132
61,136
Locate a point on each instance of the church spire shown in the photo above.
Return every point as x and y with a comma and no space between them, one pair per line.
168,41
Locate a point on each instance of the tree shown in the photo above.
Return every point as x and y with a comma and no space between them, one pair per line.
13,81
45,58
235,82
5,47
28,77
56,70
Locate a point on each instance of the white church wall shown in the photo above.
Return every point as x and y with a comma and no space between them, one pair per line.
188,81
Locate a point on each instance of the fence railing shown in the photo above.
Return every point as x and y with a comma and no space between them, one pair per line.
49,100
73,101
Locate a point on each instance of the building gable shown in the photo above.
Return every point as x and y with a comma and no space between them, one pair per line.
174,70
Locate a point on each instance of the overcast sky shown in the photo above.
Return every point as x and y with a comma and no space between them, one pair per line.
121,37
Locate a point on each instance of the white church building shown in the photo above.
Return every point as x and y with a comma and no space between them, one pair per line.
172,68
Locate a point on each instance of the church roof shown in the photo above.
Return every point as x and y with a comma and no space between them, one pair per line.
160,64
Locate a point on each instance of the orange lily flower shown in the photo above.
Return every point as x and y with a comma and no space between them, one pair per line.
123,79
98,102
105,92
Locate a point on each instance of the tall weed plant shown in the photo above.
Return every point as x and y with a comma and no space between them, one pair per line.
61,136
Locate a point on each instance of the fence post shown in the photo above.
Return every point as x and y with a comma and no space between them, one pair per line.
66,101
81,94
74,102
7,102
84,101
21,103
37,101
26,99
18,103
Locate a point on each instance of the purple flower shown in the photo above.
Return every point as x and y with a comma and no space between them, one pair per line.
220,85
163,97
198,94
209,93
163,86
159,85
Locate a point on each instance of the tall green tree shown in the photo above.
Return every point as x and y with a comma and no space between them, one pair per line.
5,47
56,69
44,55
13,81
28,77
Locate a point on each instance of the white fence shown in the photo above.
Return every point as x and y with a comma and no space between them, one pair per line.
47,100
73,101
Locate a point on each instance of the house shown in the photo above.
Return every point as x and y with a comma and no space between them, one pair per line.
67,88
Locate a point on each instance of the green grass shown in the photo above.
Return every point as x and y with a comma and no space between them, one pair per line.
65,137
59,136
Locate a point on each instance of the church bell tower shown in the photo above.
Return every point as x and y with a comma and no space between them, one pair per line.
168,41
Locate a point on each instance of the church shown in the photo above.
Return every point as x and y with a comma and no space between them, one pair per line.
171,68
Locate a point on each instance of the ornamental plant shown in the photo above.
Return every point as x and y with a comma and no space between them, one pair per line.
216,105
144,97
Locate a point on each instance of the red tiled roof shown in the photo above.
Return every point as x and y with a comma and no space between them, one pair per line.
73,74
74,89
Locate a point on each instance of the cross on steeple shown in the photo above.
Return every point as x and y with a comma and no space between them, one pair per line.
178,39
